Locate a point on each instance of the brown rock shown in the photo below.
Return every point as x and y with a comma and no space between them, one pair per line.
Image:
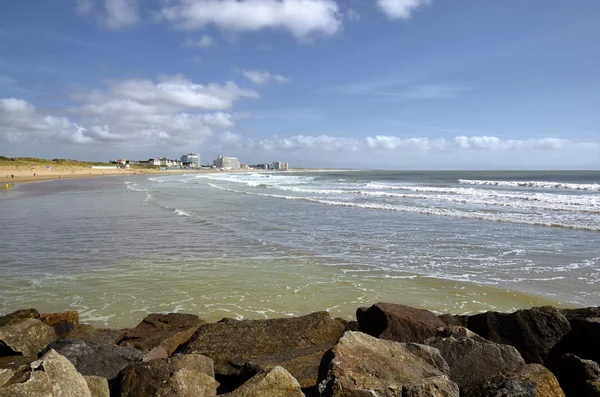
5,375
582,340
64,323
546,382
187,375
471,362
592,389
26,337
276,382
17,316
398,322
65,380
90,334
361,365
232,345
574,373
532,380
459,320
165,330
533,332
98,386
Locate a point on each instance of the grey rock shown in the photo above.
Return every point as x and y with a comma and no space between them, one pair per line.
532,380
398,322
65,380
362,365
26,337
98,386
276,382
472,361
5,375
534,332
95,359
17,316
37,384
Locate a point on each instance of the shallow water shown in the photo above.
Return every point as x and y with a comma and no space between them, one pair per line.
254,245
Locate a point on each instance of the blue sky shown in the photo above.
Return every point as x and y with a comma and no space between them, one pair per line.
397,84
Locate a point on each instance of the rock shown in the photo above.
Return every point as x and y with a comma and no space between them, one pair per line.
348,325
574,373
294,343
165,330
459,320
456,331
26,337
276,382
471,361
17,316
64,323
94,359
532,380
98,386
581,341
189,375
581,313
98,335
303,362
398,322
505,387
361,365
592,389
5,375
533,332
36,385
65,380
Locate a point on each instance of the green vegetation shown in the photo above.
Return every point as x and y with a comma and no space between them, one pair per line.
33,161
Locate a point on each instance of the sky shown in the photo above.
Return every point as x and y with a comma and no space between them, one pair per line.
391,84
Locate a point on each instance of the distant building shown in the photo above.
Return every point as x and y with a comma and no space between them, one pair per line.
191,160
227,162
279,165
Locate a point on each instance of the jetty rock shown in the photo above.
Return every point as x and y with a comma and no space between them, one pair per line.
166,331
275,382
398,323
362,365
188,375
241,349
26,337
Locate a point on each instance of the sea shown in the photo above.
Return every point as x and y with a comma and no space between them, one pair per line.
250,245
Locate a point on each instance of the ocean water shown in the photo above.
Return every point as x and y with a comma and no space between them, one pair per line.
256,245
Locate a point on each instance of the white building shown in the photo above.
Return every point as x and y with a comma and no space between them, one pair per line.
227,162
191,160
278,165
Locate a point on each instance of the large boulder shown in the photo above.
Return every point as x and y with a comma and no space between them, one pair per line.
17,316
533,332
574,373
471,362
361,365
26,337
582,341
581,313
294,343
190,375
98,386
94,359
398,322
52,375
98,335
459,320
592,389
532,380
276,382
167,331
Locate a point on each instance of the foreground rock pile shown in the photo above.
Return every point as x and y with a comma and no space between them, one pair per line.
390,350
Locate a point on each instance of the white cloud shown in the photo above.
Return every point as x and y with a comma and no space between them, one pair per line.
262,77
423,144
172,112
352,15
204,42
303,18
121,13
228,138
84,6
400,9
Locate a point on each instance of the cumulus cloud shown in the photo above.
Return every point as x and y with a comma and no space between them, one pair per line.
400,9
423,144
303,18
262,77
136,112
121,13
204,42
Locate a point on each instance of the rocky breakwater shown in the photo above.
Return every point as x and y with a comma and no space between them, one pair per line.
389,350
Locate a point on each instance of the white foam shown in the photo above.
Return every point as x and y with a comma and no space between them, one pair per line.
182,212
535,184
